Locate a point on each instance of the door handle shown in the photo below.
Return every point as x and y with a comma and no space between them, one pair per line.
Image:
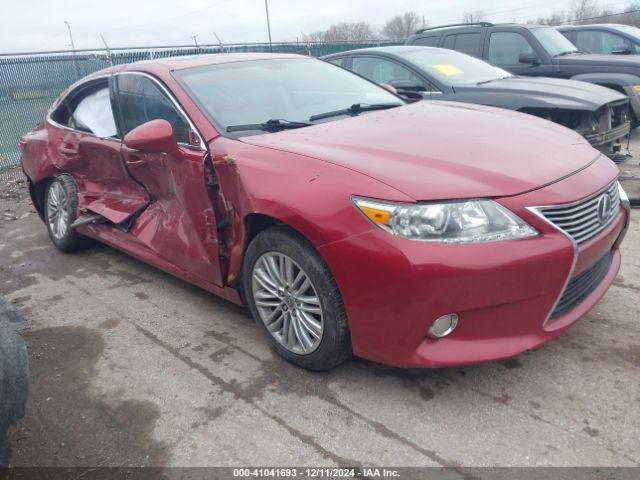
68,152
136,163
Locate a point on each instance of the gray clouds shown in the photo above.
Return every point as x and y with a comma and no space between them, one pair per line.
30,25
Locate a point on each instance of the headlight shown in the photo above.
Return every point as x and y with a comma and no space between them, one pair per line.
468,221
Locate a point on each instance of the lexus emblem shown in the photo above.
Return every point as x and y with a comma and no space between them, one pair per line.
604,208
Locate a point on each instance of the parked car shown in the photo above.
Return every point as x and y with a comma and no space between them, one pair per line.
599,114
535,50
604,38
429,234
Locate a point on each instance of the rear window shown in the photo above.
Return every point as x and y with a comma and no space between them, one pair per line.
468,43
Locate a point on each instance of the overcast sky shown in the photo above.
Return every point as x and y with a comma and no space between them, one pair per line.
35,25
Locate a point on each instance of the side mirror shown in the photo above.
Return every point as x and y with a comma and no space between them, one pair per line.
388,87
621,50
406,86
408,90
153,136
530,58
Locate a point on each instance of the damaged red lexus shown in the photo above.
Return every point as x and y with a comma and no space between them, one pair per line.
423,235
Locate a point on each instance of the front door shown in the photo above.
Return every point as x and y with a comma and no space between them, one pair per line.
179,224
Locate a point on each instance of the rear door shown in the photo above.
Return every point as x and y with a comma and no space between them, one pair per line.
85,143
469,42
179,224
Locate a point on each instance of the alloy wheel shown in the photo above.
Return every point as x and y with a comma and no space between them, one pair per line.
58,210
287,303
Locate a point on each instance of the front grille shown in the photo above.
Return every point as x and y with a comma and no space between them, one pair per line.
582,286
585,219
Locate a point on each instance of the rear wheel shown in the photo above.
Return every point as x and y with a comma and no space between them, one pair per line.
60,211
295,300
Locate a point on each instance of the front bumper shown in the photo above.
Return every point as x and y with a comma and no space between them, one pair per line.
503,292
606,139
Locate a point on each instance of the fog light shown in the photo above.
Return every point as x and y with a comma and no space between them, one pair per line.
443,326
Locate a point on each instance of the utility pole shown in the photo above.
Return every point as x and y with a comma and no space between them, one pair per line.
108,50
73,48
195,40
219,42
266,7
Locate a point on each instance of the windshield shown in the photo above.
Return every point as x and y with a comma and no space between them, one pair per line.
293,89
453,68
553,41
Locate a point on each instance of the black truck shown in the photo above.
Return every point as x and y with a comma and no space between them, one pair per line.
537,50
426,73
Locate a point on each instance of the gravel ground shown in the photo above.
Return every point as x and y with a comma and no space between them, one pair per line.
130,366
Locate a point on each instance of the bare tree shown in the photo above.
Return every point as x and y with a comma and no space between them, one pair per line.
342,32
403,26
553,19
314,37
584,11
473,17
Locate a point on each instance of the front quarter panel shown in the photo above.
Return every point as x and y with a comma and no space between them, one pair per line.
311,196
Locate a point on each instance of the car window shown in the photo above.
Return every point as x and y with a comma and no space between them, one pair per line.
552,41
595,41
95,115
467,43
449,42
505,48
338,61
381,70
88,109
141,100
431,41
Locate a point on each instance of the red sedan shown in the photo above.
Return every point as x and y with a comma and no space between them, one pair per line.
428,235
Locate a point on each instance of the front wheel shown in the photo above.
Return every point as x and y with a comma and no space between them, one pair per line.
295,300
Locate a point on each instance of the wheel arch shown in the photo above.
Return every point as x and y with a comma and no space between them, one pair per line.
255,223
37,191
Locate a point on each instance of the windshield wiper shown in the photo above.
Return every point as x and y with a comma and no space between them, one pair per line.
273,125
355,109
568,52
493,80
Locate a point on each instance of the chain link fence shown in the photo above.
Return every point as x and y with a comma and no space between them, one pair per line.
29,83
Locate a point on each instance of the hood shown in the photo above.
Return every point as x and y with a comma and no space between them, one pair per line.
539,92
630,61
441,150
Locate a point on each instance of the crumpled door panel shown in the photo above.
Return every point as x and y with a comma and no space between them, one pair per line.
104,185
180,223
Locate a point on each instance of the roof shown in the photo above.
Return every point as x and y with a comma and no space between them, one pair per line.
396,49
593,25
463,26
192,61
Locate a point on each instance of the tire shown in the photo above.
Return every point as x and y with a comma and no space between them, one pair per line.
60,211
298,307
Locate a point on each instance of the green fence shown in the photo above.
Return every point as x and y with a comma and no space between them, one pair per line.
29,83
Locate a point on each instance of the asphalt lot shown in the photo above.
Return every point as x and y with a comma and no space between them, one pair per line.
130,366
